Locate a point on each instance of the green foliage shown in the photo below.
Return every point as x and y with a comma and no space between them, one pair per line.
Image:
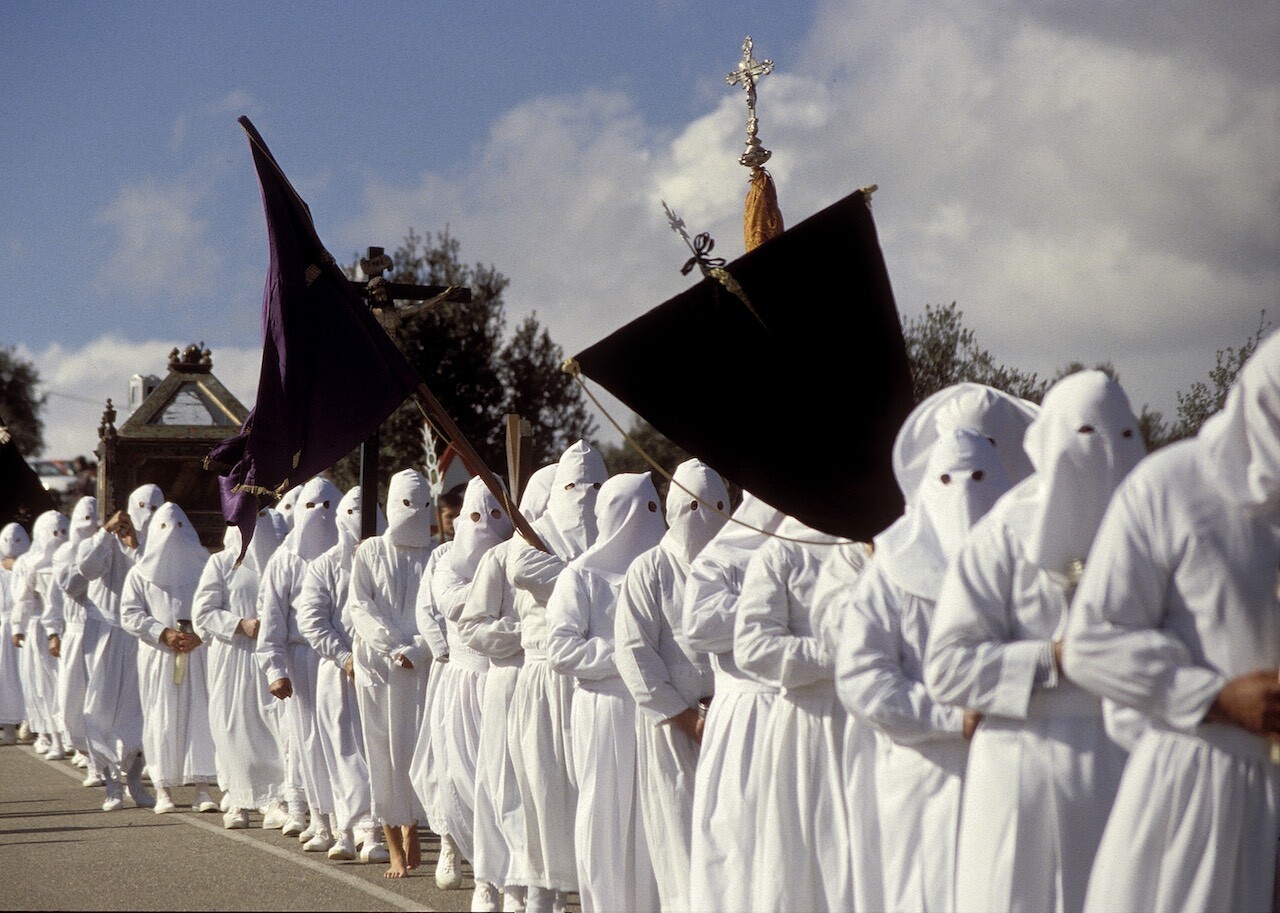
20,404
943,351
459,351
622,457
1204,399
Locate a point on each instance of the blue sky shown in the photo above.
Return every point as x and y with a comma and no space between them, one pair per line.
1089,181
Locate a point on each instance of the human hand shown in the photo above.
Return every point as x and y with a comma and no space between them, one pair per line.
689,722
55,646
281,689
1057,655
122,526
404,662
1251,702
349,667
971,720
18,639
248,627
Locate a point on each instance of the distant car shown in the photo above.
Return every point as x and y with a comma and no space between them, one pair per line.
58,476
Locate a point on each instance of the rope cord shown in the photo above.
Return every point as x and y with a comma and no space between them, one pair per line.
574,370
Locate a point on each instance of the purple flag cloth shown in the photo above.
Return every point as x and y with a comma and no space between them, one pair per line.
330,374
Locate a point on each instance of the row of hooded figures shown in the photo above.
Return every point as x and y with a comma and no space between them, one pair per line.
1050,685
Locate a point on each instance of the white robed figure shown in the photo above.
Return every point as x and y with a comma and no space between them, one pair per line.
539,727
919,771
289,663
803,850
1178,616
155,605
1043,769
480,525
724,798
491,624
72,619
614,869
666,679
429,770
391,659
113,707
322,620
32,578
14,542
242,721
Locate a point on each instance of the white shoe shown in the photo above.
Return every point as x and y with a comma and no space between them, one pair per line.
375,853
448,872
235,819
204,802
115,797
224,804
42,743
309,831
164,805
485,898
79,760
293,827
274,817
513,898
320,842
343,849
92,779
24,732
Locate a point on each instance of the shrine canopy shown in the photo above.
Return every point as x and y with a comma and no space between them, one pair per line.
165,441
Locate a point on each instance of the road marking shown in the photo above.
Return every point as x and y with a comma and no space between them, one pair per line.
351,881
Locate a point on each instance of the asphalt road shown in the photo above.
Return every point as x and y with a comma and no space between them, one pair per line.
59,851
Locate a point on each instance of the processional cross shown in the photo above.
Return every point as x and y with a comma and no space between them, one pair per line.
747,74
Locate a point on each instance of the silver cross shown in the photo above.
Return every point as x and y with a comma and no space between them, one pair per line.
748,73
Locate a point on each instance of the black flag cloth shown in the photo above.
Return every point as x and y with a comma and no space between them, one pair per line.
22,496
330,374
798,397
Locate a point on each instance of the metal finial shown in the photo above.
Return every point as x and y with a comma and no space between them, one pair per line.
748,73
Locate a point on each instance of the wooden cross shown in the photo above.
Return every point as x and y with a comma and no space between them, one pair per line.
747,75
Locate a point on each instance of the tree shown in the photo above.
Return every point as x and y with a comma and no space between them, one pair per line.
20,404
1204,399
459,351
943,351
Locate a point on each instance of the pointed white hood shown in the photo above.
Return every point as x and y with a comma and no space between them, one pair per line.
1002,418
349,517
174,557
315,528
14,541
266,539
50,532
569,525
629,522
409,510
1240,446
144,501
537,493
1084,442
288,504
964,479
479,526
690,524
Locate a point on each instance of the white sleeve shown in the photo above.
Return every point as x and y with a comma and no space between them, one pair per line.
764,645
637,630
1115,645
488,623
135,617
870,678
973,660
210,614
710,603
271,646
572,647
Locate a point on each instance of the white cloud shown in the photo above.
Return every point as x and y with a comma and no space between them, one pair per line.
1082,196
80,380
161,247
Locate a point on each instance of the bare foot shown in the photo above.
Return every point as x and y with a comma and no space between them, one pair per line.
413,849
395,847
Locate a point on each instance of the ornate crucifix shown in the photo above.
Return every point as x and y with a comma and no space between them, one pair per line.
748,73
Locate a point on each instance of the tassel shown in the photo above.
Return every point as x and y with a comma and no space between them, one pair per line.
761,217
